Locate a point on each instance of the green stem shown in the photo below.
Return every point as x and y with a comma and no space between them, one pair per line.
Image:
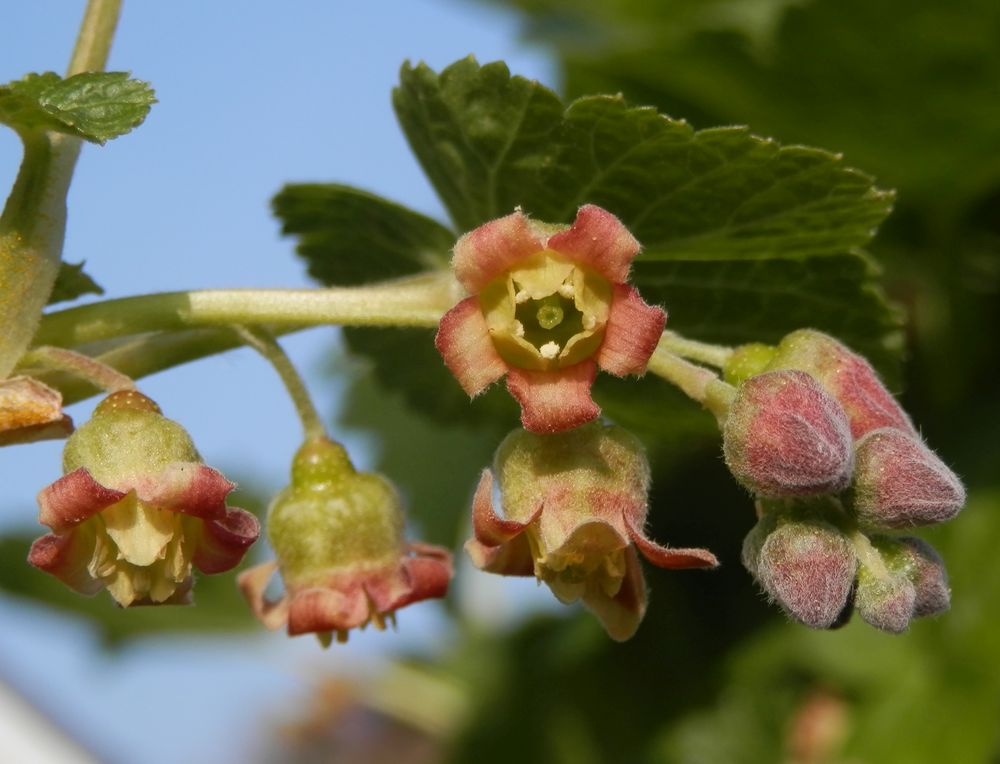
268,347
696,382
416,301
702,352
868,555
33,223
98,374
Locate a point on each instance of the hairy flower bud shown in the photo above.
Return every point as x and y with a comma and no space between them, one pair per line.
844,374
885,600
922,566
137,509
899,482
785,436
574,508
338,537
807,567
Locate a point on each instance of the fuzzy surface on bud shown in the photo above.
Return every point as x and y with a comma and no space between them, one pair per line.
786,436
338,538
807,566
137,509
899,482
573,512
548,306
844,374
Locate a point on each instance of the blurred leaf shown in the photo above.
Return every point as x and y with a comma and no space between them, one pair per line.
906,88
94,106
348,236
71,283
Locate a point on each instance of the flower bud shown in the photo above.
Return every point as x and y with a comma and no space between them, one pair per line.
785,436
137,509
574,508
807,567
847,376
886,601
747,361
338,538
899,482
920,563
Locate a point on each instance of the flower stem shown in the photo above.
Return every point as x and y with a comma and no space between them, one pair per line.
696,382
267,346
90,369
702,352
414,301
33,222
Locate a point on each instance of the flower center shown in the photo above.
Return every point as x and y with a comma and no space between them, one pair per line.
546,314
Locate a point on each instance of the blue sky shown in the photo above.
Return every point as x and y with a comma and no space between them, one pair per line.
251,95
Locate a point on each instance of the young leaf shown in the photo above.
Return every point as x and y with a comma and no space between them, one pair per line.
348,236
94,106
72,282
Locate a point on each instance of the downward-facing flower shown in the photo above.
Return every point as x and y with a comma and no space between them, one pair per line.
137,509
338,537
548,306
574,510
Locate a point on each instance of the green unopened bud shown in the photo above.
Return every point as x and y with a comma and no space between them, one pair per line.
747,361
917,561
885,599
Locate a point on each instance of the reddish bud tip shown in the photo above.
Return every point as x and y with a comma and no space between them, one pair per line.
899,482
845,375
808,568
785,436
925,569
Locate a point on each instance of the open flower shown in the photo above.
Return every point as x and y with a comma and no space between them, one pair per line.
548,305
137,509
338,537
574,509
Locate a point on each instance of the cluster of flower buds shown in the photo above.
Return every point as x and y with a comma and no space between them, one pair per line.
338,537
137,508
834,460
574,508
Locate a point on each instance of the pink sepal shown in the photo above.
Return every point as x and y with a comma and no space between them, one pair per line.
73,498
598,240
553,401
252,583
669,557
190,488
633,330
464,342
423,573
498,545
224,541
319,609
484,253
66,557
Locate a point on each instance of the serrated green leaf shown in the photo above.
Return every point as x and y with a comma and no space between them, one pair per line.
72,282
94,106
482,136
349,236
